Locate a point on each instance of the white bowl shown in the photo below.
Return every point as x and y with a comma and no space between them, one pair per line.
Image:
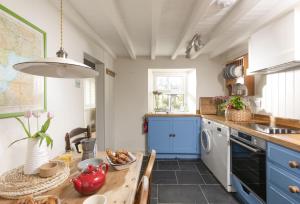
122,166
95,199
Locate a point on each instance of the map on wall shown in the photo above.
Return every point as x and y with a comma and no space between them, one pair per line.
19,41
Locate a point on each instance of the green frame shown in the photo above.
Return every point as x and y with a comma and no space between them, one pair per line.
26,22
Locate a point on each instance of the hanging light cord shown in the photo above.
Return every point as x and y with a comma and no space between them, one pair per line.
61,23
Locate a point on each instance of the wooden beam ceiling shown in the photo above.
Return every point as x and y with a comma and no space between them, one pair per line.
231,18
198,13
155,22
113,13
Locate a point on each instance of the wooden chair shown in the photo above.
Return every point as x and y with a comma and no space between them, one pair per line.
142,194
85,132
150,165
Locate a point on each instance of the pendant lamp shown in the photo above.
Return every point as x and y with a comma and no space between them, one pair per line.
58,67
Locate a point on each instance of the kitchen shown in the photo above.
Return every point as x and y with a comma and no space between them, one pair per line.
163,67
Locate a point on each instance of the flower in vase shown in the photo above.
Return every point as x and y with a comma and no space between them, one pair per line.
36,114
50,115
28,114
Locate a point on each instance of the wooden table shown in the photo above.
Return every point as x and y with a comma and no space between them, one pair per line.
119,187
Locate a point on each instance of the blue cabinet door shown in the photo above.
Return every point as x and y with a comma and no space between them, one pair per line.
186,131
159,131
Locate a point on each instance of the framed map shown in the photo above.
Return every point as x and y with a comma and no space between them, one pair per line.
20,40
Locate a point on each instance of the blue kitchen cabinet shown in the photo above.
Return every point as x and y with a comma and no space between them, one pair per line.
283,175
174,137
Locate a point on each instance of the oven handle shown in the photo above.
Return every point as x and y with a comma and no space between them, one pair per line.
244,145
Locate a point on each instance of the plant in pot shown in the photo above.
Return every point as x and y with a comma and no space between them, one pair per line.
220,102
237,109
37,142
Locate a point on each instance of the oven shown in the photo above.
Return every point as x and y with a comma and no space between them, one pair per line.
248,162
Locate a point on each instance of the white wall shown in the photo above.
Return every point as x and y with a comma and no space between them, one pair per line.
279,93
64,99
131,93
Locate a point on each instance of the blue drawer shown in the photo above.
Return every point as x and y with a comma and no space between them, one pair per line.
277,197
282,156
281,179
243,193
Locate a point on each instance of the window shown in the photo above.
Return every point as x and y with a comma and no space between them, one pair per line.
89,93
169,90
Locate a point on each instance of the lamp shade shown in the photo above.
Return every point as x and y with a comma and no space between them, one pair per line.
57,67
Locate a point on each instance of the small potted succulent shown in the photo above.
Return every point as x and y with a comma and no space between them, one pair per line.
220,102
237,109
37,143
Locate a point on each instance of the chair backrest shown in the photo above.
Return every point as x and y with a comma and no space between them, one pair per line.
149,168
75,132
142,193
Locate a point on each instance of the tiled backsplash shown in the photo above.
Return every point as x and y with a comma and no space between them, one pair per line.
279,93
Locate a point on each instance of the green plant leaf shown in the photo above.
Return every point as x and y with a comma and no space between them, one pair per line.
49,141
24,127
46,126
11,144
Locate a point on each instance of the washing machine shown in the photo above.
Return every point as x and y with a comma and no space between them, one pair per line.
206,142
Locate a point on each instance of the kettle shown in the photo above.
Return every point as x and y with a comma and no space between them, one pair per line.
91,180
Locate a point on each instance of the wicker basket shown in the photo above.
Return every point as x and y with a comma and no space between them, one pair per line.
239,115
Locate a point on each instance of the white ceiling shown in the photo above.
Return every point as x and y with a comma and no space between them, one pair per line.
152,28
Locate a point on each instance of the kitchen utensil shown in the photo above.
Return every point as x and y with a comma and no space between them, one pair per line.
85,163
91,180
95,199
88,148
49,169
122,166
239,89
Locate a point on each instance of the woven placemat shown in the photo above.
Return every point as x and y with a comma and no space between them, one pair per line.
14,184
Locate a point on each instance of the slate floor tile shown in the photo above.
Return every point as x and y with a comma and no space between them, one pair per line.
217,195
168,165
189,177
180,194
209,179
202,168
153,191
164,177
187,167
153,201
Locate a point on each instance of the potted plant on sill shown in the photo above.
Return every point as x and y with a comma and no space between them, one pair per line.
237,109
37,143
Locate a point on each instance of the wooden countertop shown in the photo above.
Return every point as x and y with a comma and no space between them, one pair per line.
172,115
291,141
119,187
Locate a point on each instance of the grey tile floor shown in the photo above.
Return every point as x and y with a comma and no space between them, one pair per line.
186,181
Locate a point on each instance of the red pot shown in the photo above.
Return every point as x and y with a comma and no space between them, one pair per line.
91,180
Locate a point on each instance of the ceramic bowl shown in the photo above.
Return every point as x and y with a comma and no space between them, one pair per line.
49,169
120,167
84,164
95,199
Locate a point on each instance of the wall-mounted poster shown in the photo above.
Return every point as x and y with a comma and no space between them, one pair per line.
20,40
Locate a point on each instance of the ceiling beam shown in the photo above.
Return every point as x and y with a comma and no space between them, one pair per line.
155,22
73,16
245,33
112,11
237,12
198,13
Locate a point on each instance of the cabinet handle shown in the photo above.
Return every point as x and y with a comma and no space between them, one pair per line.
294,189
174,135
293,164
170,135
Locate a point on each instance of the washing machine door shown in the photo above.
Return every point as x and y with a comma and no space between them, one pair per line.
206,140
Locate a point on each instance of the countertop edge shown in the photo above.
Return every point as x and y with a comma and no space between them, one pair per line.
291,141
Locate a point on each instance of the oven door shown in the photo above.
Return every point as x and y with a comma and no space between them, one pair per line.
248,164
